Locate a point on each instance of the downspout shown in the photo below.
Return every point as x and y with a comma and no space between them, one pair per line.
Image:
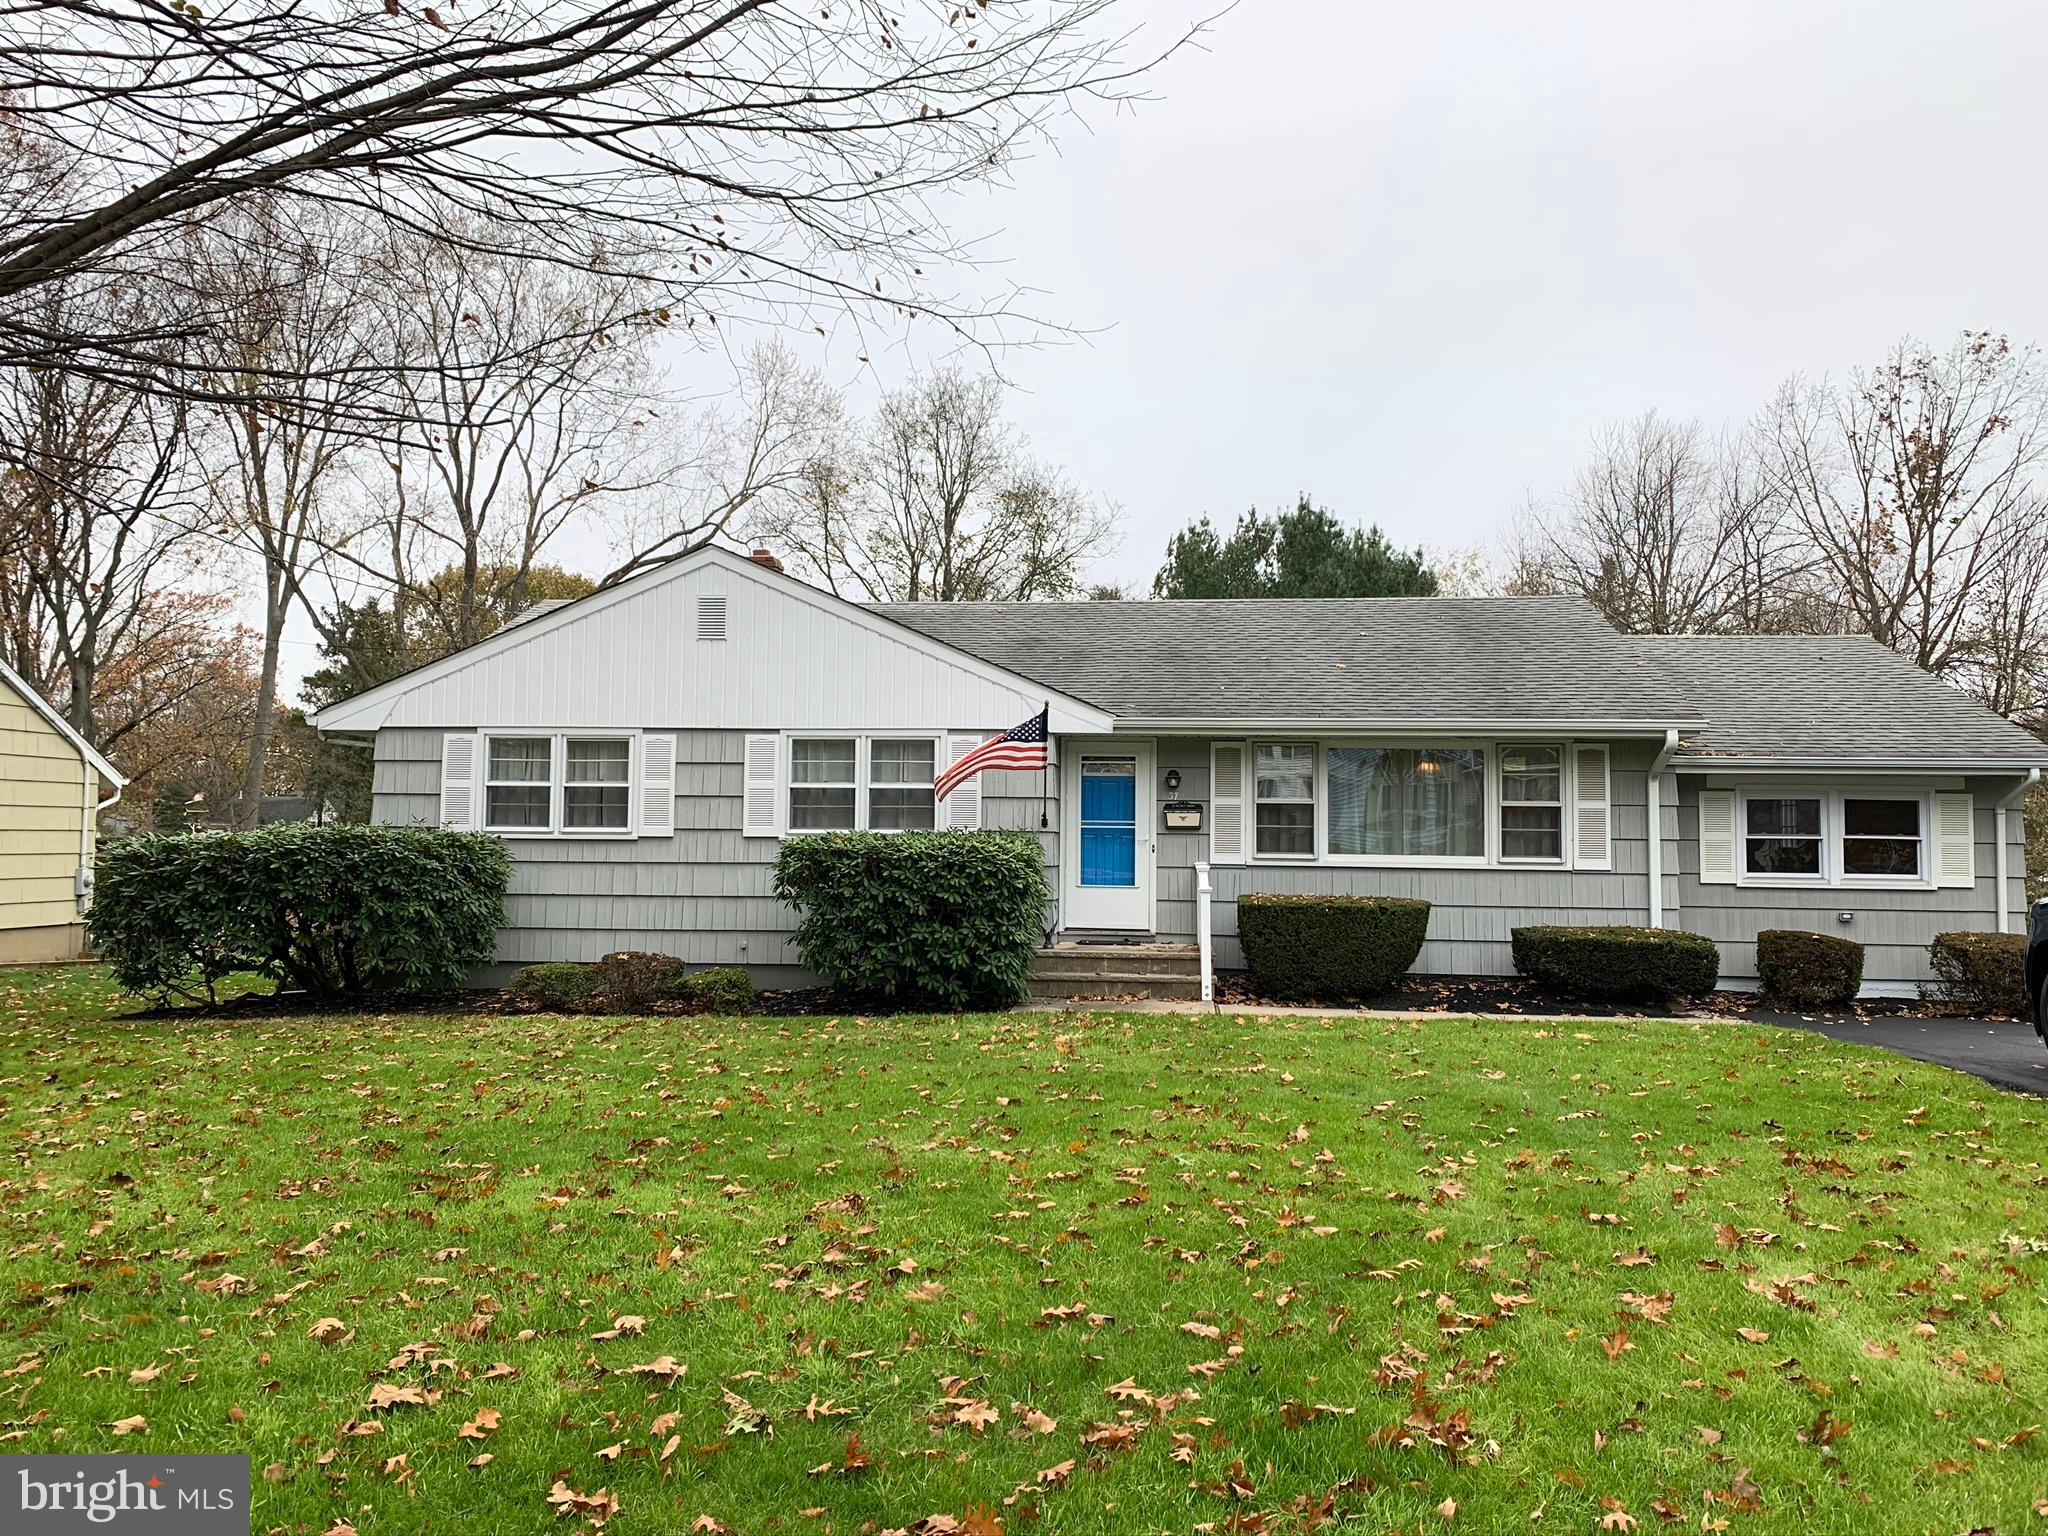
88,834
2004,829
1656,840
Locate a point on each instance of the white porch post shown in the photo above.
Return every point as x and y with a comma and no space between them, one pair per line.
1204,895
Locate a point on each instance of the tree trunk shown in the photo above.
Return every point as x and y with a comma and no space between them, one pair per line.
249,815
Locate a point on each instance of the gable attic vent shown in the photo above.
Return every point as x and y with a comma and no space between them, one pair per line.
711,616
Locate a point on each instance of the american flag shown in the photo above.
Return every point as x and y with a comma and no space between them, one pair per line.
1021,746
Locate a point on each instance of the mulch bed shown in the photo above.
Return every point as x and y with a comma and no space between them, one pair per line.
1506,996
1511,995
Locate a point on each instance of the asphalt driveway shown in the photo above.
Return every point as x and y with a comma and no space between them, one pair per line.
2004,1055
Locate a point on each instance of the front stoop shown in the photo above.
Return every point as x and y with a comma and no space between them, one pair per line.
1140,970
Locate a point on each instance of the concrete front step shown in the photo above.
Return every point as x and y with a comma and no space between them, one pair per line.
1149,970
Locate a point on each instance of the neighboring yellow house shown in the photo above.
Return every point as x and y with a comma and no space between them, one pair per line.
50,799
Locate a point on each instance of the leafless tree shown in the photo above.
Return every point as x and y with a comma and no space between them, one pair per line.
292,340
1913,484
529,400
939,499
2007,631
1668,529
93,507
769,156
766,446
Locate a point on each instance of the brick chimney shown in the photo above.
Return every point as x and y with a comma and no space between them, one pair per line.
766,557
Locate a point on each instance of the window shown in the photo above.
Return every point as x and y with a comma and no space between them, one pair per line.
1782,836
1531,802
823,784
519,783
1408,802
880,783
1881,838
1285,775
900,775
596,781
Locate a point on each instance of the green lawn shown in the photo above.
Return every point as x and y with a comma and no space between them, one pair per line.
1077,1274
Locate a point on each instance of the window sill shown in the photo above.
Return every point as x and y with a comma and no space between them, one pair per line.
543,835
1825,883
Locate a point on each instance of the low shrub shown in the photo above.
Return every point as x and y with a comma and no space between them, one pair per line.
721,989
1981,974
634,980
560,986
341,911
1646,965
918,919
1795,969
1328,948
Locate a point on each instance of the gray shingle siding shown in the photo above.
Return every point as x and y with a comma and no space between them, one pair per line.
1894,927
705,894
1471,910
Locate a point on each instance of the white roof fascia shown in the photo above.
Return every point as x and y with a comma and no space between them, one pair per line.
1816,765
368,710
1449,725
63,727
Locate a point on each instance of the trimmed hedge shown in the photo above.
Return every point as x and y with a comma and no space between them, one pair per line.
1311,948
1796,969
634,982
918,919
560,986
1983,974
720,989
1648,965
341,911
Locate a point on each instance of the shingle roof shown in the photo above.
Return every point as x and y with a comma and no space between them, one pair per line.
1831,696
1501,659
1385,659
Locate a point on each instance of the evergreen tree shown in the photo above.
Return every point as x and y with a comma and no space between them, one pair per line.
1303,553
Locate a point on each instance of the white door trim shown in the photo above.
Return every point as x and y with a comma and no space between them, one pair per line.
1145,899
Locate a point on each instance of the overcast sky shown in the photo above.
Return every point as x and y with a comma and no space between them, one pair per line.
1406,258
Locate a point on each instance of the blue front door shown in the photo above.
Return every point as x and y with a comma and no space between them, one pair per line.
1109,884
1109,821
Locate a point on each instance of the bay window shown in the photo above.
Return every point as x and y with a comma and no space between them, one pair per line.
1284,781
1532,803
873,783
1407,802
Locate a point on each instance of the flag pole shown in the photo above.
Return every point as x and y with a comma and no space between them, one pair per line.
1044,768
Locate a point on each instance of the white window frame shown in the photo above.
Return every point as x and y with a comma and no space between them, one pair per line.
563,784
1317,799
1833,875
865,766
558,739
1496,790
863,770
1489,794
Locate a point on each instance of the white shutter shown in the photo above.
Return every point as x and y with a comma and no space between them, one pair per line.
1955,841
1592,810
1717,837
657,786
761,814
961,810
1226,802
460,757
